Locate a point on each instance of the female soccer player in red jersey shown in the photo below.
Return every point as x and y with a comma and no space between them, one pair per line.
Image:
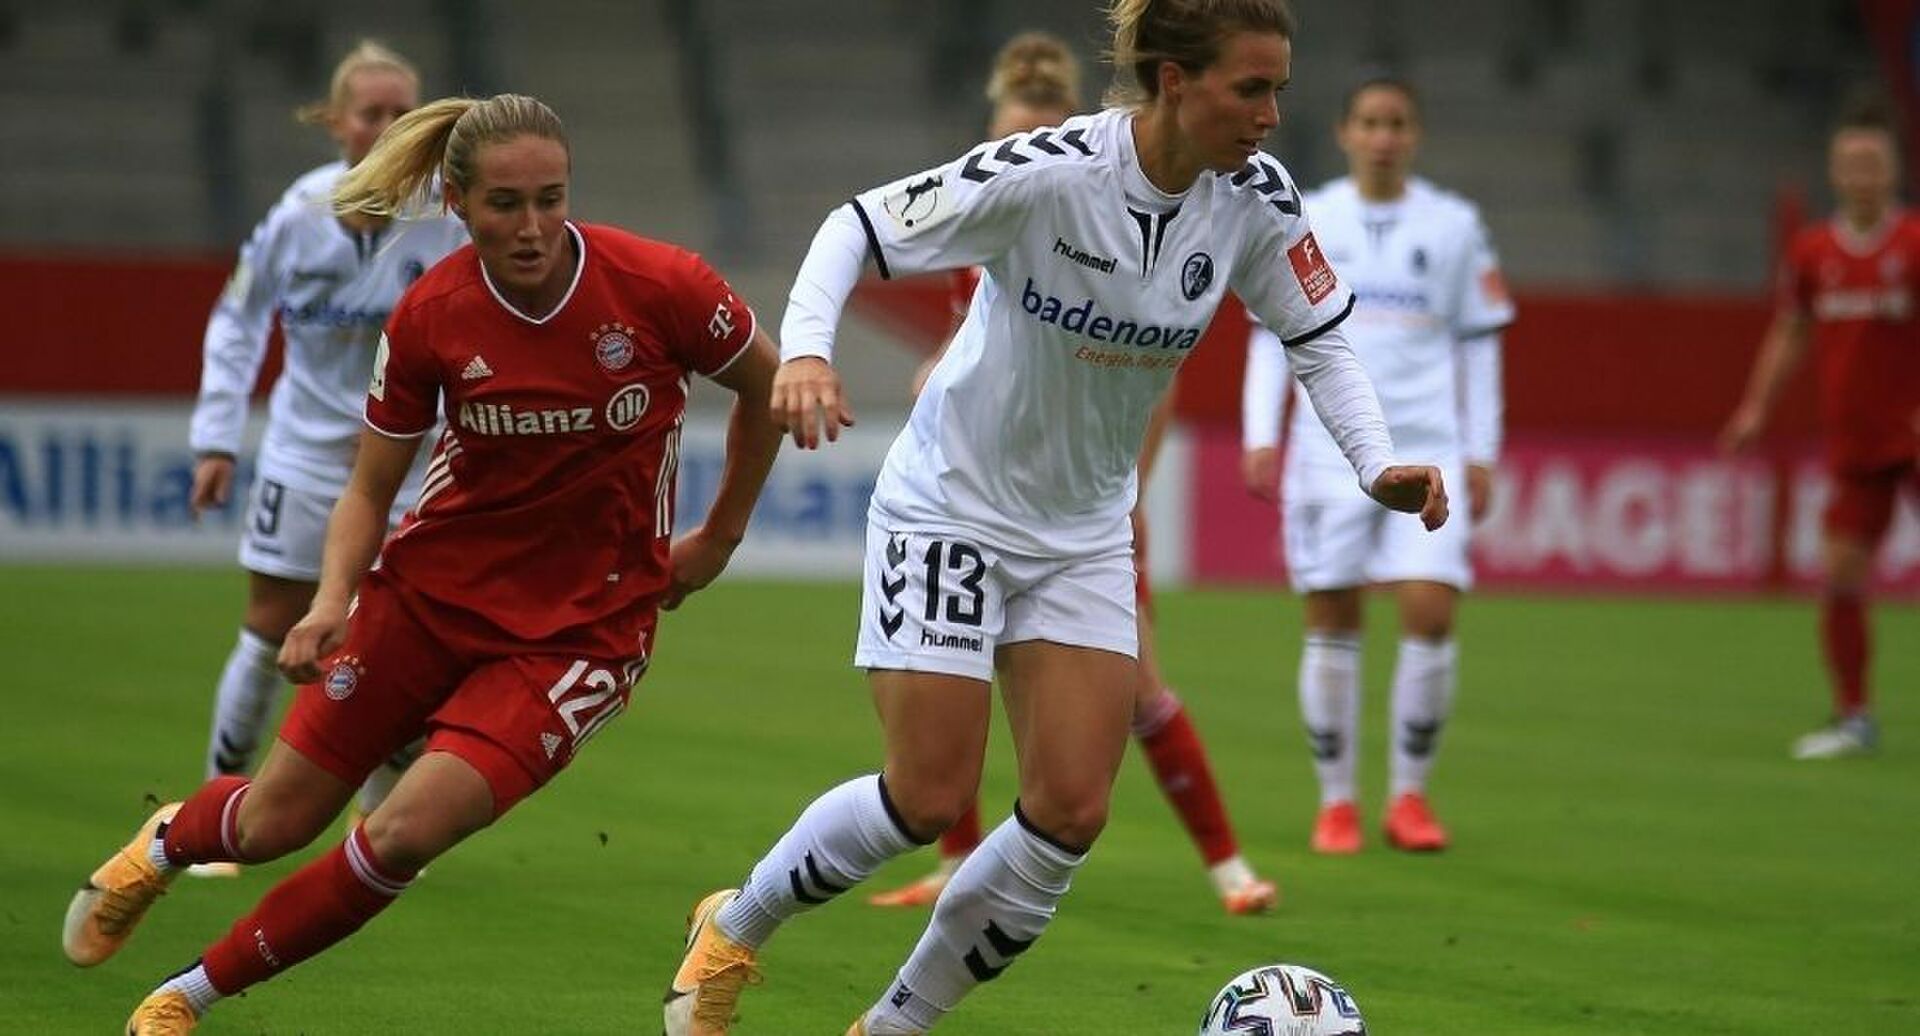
999,546
1850,291
511,614
1035,83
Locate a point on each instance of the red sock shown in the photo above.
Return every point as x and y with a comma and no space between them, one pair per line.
315,907
204,830
1843,634
964,836
1179,763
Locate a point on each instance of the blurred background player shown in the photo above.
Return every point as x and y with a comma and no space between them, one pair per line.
331,280
1036,83
509,619
999,544
1427,327
1849,288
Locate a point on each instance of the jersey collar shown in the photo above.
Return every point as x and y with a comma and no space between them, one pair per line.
1863,243
579,268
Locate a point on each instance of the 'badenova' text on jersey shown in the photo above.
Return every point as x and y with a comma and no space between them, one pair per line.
548,504
1097,288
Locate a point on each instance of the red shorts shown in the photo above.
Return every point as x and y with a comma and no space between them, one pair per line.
1861,508
517,719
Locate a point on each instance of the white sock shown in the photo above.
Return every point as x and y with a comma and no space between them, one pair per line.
195,986
1230,874
1330,707
157,851
1423,682
997,904
242,705
379,784
843,837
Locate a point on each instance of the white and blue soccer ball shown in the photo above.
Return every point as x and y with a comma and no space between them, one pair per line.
1282,1000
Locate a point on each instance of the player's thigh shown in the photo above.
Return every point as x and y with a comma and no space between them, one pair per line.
1407,552
1427,608
1328,539
440,800
931,603
375,693
291,799
935,729
1069,708
275,603
285,531
522,719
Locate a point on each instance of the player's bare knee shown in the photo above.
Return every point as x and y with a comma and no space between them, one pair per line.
407,839
929,808
1075,821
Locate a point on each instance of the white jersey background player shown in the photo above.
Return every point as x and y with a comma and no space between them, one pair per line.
1427,325
999,539
330,286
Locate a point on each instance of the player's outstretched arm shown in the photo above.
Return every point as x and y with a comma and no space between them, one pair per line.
354,535
753,441
807,399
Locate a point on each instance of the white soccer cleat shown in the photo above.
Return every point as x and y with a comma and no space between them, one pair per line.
216,869
1851,736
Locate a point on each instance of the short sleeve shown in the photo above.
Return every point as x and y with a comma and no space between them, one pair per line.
713,325
1283,276
1793,288
405,389
965,213
1483,305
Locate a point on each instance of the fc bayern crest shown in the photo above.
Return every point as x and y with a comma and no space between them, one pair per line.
613,347
1196,274
343,678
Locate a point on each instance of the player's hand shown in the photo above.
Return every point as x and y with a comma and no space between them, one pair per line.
212,482
1260,471
311,639
806,400
1479,492
1415,489
697,559
1743,430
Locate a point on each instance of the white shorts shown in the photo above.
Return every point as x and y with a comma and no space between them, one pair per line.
1335,541
285,529
940,603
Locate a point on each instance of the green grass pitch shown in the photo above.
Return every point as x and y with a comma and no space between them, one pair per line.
1633,851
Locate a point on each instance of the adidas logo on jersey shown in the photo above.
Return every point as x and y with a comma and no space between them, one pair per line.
550,742
503,419
476,369
1085,318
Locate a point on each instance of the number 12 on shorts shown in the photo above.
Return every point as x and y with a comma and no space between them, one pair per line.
586,698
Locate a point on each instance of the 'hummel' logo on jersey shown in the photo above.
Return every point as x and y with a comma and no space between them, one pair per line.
550,742
475,370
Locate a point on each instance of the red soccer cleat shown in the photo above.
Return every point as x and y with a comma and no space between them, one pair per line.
1412,826
1337,830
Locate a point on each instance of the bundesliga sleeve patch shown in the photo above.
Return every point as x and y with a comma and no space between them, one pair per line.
918,202
1311,270
377,388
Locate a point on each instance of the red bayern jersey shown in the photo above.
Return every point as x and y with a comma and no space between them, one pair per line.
1862,296
548,505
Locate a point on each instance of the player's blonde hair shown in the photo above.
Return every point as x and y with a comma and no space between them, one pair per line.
1036,69
1186,32
443,137
367,55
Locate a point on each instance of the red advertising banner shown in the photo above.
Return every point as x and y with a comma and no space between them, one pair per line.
1613,514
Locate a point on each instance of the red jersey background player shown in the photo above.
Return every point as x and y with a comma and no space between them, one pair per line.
1848,290
1035,83
510,615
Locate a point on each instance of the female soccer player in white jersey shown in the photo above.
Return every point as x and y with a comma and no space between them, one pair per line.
1035,84
999,539
1427,327
331,283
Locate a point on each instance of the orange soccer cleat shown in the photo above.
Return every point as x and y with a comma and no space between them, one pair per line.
705,990
1255,896
918,893
1412,826
1336,832
163,1014
114,899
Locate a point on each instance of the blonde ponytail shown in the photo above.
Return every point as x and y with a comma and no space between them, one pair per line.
443,137
366,56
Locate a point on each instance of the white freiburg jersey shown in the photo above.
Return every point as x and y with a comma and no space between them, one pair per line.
332,290
1428,283
1097,287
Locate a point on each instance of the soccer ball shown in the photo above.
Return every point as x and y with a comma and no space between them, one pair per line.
1282,1000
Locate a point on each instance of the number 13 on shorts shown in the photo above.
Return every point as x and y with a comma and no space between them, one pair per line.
930,604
